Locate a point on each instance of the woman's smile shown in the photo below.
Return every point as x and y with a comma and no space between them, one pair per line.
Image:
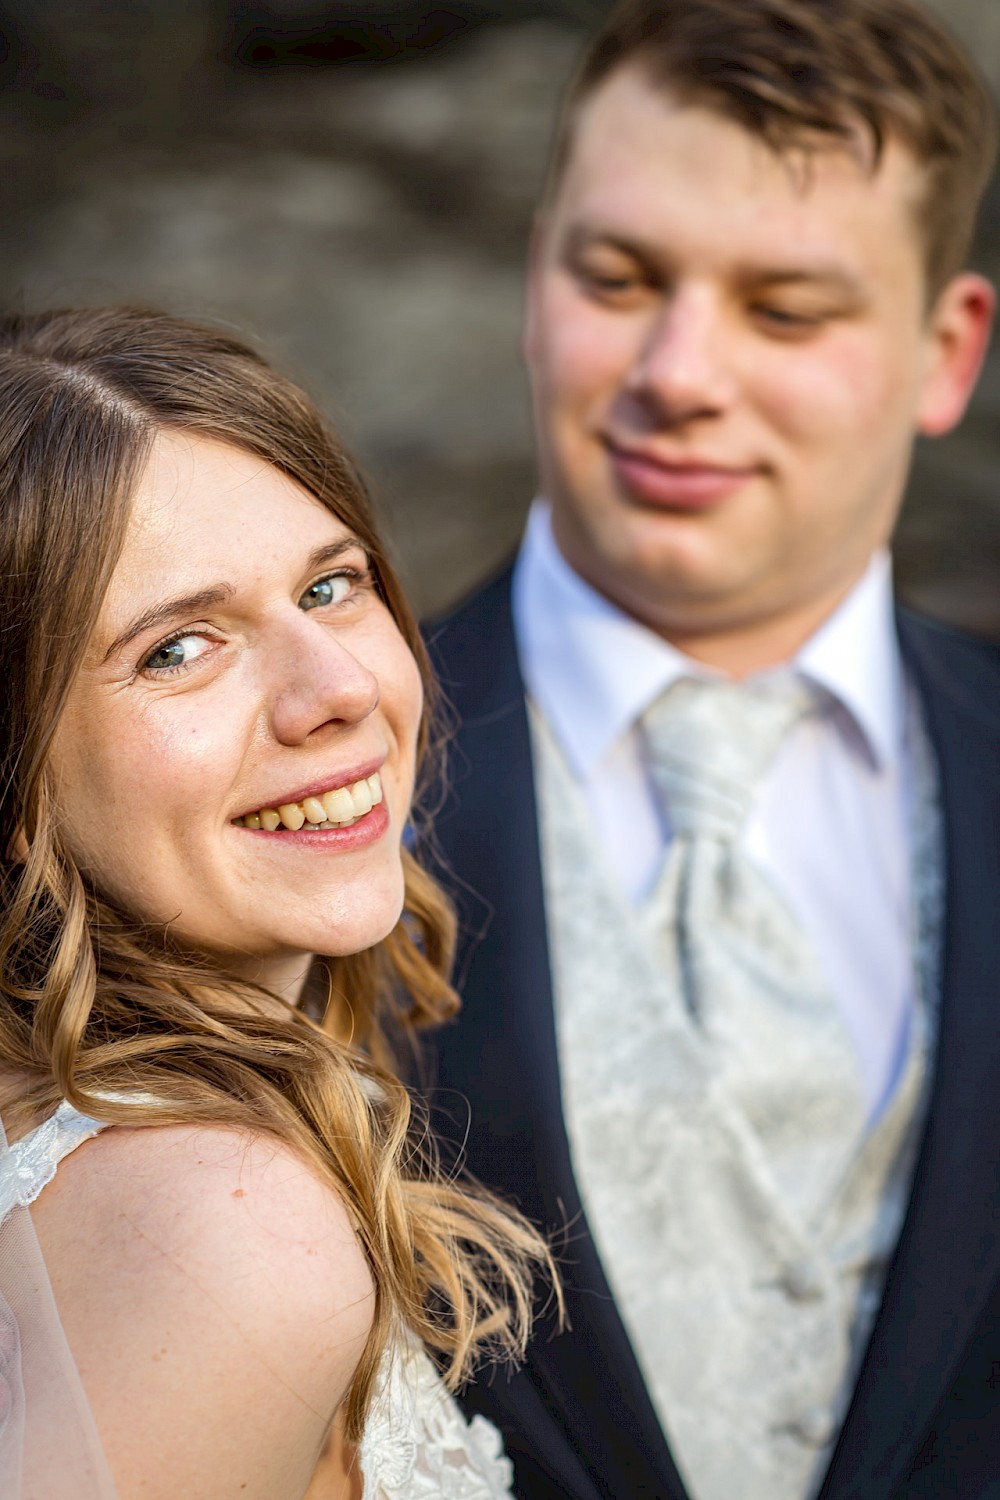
337,804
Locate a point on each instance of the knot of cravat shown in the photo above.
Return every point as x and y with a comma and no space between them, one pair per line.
710,743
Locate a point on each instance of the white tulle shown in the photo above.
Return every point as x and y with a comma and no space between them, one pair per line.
417,1444
49,1445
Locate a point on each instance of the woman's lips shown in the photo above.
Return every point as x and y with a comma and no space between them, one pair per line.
676,486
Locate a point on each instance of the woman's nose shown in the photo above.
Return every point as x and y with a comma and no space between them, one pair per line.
316,679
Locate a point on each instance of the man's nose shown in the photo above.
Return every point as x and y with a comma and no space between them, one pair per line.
683,366
315,680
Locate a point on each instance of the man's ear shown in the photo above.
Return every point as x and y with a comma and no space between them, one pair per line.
959,335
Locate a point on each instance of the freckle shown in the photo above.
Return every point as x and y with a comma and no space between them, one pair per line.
239,1193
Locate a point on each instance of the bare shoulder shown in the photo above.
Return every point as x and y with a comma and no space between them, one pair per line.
229,1207
210,1284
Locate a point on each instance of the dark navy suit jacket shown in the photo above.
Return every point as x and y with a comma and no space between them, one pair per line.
925,1419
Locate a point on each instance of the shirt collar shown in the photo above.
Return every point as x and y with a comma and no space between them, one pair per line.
575,646
855,656
573,643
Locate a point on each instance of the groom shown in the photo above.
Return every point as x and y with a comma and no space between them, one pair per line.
723,821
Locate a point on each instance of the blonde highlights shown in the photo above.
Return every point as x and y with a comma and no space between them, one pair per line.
103,1011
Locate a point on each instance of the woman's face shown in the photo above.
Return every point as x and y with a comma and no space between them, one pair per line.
244,678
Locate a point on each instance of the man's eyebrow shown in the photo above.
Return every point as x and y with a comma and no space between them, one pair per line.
835,277
203,599
582,236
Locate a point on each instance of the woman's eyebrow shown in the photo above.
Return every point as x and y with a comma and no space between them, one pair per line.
323,555
203,599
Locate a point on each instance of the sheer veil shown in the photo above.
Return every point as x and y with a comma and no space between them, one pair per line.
49,1447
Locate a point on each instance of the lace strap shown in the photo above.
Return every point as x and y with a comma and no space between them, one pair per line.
417,1444
30,1165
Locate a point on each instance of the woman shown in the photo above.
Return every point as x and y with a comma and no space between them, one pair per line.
213,711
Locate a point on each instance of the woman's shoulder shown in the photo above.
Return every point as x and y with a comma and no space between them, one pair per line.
201,1267
227,1203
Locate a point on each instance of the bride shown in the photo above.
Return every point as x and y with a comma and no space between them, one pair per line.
214,705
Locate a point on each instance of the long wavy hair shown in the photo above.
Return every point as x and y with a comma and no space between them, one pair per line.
99,1009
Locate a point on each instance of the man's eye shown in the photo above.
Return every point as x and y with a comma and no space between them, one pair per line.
174,655
607,283
787,318
331,590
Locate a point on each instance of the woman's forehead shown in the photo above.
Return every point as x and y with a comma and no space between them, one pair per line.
198,484
210,516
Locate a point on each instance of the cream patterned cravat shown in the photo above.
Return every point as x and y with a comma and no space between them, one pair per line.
751,981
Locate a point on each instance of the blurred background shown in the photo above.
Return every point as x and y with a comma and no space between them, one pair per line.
352,184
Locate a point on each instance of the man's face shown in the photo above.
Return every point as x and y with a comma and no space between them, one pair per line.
731,354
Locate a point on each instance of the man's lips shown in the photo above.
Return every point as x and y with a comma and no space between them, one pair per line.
677,483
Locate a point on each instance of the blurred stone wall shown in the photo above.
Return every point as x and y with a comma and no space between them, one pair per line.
366,220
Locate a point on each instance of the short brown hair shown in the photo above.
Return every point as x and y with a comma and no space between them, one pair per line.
804,73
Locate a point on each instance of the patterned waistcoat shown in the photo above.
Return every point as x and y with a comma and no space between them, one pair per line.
748,1305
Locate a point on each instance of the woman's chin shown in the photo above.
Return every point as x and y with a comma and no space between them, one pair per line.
343,929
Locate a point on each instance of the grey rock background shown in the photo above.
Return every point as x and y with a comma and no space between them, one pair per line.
366,221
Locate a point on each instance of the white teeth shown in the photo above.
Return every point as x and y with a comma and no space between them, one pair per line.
339,805
337,809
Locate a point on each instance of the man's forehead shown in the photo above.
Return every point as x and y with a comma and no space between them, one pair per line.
643,161
629,118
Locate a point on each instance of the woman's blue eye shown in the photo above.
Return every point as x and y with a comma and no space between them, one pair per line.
179,652
332,590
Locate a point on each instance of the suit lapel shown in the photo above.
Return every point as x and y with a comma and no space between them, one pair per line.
948,1258
503,1055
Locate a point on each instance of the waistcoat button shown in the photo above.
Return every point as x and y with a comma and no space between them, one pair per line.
802,1282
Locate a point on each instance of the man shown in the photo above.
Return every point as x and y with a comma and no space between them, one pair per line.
723,823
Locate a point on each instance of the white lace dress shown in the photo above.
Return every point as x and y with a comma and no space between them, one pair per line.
417,1444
